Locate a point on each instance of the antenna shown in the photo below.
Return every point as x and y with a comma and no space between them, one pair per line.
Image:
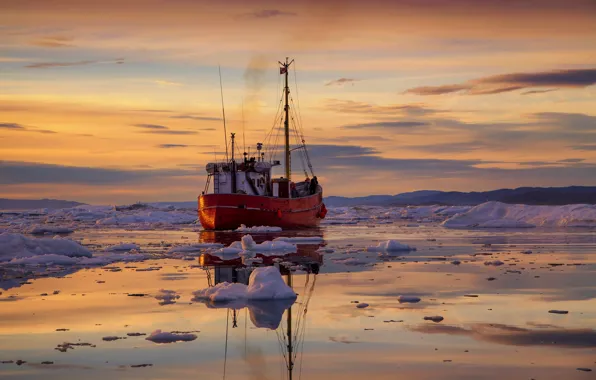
223,111
243,136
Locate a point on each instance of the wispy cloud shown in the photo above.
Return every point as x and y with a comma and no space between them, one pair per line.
572,160
162,130
387,124
195,117
354,107
495,84
22,128
47,65
53,42
531,92
342,81
169,146
588,147
150,126
167,83
268,13
13,126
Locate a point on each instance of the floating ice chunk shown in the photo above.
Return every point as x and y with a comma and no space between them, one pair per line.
109,258
123,247
265,283
17,246
149,217
494,263
257,229
112,338
194,247
390,246
301,239
167,297
248,244
47,260
222,292
158,336
558,311
352,261
408,299
49,230
501,215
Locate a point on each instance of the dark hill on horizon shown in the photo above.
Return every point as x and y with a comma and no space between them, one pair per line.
28,204
521,195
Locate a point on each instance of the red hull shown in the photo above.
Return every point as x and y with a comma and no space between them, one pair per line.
229,211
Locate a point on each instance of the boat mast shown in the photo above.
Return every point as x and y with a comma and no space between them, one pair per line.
289,332
284,70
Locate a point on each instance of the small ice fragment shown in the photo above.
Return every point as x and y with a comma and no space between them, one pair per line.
435,318
112,338
123,247
495,263
362,305
257,229
390,246
135,334
558,311
526,252
408,299
456,262
141,365
160,337
584,369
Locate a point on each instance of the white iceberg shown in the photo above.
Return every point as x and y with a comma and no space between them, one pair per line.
265,283
390,246
18,246
501,215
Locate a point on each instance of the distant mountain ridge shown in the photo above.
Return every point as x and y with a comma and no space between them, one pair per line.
28,204
521,195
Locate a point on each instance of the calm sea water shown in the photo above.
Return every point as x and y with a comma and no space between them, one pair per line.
496,321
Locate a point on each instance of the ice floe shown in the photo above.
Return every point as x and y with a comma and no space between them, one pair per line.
162,337
390,246
301,239
123,247
265,283
501,215
257,229
408,299
167,297
15,246
49,230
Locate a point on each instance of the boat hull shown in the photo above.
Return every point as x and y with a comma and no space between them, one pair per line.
229,211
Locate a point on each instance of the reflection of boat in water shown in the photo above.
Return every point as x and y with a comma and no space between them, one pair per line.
269,314
228,269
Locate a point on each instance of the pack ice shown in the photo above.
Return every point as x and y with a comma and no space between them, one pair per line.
501,215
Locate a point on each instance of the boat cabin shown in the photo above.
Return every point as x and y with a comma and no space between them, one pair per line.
252,177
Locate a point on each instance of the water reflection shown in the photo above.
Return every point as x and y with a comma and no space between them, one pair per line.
269,314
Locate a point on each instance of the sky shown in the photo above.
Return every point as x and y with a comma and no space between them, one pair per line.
119,101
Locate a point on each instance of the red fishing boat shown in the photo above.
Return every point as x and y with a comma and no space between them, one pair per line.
245,191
